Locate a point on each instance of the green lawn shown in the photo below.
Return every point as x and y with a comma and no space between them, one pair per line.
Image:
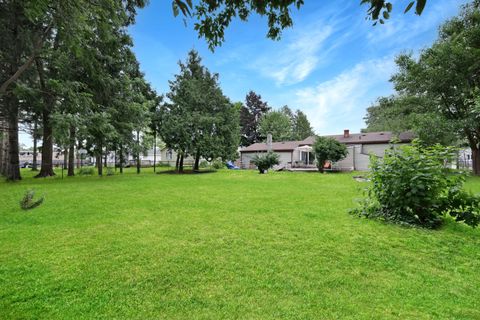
225,245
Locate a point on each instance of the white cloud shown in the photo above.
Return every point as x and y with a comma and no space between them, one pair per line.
293,62
341,101
402,29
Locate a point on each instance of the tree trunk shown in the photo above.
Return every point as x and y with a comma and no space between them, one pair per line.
71,153
99,163
180,164
46,169
65,159
121,159
154,151
320,166
138,152
105,158
13,167
138,163
476,161
3,146
35,147
177,162
196,166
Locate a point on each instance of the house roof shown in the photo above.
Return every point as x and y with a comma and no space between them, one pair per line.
353,138
276,146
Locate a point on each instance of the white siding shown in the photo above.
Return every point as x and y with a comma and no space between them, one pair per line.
376,149
285,158
347,163
362,154
362,159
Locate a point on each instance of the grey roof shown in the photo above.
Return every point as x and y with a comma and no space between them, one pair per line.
354,138
276,146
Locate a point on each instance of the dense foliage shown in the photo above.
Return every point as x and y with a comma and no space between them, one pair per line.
265,161
277,124
284,125
401,113
328,149
414,185
250,115
437,93
199,120
99,103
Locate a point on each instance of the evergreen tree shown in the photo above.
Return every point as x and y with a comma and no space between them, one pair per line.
278,124
302,128
250,116
199,120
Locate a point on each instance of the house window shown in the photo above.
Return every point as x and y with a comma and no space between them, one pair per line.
169,154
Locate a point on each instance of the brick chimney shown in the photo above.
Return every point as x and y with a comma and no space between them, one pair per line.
346,133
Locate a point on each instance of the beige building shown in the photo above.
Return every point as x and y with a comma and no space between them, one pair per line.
298,154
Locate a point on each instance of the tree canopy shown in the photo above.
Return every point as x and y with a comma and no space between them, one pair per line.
328,149
285,125
199,120
443,85
250,115
278,124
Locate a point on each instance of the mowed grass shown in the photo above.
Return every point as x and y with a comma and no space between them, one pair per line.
225,245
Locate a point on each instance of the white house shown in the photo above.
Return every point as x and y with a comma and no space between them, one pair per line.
298,154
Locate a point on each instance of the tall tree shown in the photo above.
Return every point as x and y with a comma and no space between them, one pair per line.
448,74
276,123
302,128
200,120
400,113
250,116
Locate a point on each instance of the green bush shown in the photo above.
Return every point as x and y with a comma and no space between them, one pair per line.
110,171
86,171
218,164
203,164
413,185
328,149
265,161
163,164
27,201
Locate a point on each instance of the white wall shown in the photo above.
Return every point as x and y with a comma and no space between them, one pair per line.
246,157
347,163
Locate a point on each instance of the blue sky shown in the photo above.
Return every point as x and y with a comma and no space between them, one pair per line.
332,64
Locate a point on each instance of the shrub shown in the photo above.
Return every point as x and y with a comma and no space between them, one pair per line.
163,164
86,171
413,185
110,171
27,201
218,164
203,164
328,149
265,161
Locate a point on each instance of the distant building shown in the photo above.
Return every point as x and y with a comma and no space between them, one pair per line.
299,154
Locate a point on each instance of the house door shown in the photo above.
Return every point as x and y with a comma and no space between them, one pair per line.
307,158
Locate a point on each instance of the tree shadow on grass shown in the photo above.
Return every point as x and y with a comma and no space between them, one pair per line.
187,172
